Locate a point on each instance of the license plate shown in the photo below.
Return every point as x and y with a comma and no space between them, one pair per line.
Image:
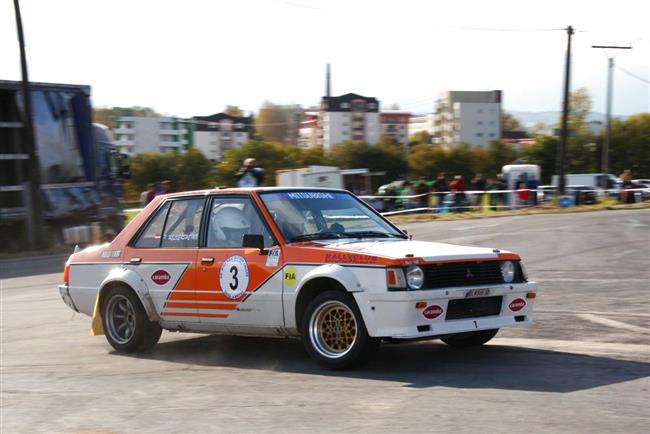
479,292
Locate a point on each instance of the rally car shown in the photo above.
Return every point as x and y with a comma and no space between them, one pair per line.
318,264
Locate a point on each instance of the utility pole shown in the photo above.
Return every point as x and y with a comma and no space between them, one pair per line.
604,165
33,191
562,146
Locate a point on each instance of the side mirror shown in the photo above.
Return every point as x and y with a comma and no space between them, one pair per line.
255,241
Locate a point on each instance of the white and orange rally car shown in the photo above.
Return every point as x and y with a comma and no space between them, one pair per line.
318,264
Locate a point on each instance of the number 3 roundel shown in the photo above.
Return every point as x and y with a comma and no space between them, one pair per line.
233,276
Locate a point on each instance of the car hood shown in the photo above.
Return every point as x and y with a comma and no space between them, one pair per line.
428,251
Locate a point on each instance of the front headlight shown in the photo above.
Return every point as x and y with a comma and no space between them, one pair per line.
524,272
414,277
508,271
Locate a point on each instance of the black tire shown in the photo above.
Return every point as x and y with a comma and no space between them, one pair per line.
126,325
343,344
470,339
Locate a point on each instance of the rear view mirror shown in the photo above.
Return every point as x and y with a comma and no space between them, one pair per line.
255,241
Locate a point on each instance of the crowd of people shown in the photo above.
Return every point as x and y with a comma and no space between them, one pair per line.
153,190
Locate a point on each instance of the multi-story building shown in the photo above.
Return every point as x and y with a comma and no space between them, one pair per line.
468,117
348,117
420,123
394,124
216,133
295,117
137,134
308,133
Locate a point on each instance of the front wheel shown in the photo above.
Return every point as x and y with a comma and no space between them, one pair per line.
334,333
470,339
126,324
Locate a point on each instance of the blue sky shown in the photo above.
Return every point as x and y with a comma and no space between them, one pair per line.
194,57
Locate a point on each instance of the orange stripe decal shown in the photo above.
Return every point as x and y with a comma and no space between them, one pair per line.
178,305
206,315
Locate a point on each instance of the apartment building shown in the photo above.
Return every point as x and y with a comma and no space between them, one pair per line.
138,134
348,117
214,134
309,132
423,122
394,124
468,117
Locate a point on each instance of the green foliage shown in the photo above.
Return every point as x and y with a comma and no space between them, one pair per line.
510,123
386,156
421,138
630,145
187,171
543,153
107,115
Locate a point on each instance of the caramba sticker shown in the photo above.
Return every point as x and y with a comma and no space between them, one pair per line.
160,277
517,304
234,277
273,258
432,312
290,276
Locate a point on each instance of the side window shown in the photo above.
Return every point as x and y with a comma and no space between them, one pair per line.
183,223
152,234
232,218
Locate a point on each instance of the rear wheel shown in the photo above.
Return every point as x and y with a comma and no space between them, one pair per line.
470,339
333,331
126,324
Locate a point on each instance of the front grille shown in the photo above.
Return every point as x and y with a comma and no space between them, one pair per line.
463,274
473,307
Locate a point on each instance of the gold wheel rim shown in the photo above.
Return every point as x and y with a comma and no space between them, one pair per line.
333,329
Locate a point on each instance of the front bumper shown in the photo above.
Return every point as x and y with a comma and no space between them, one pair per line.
395,315
65,295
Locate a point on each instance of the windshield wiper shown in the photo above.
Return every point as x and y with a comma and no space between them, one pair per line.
372,234
317,236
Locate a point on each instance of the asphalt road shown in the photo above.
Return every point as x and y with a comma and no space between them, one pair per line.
584,367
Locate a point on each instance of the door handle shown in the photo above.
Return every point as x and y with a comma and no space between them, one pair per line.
135,261
207,260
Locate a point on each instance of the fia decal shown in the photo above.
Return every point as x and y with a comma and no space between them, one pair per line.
160,277
234,277
290,276
273,258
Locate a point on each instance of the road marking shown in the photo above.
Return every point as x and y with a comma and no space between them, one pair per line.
611,313
612,323
574,346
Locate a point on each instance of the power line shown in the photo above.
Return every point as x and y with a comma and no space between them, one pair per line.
632,75
490,29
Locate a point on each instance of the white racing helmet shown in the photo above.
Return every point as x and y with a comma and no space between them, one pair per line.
229,224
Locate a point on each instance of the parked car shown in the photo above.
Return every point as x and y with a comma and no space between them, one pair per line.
315,264
546,193
582,194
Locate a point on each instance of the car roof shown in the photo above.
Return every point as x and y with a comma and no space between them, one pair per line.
239,190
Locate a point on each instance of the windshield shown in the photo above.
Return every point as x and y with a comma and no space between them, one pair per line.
313,215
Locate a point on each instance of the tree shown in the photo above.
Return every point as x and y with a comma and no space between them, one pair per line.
233,110
427,161
195,171
383,157
272,122
510,123
543,153
490,160
630,145
581,104
107,116
421,138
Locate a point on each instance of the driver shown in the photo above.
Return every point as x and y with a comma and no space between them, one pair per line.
228,227
290,222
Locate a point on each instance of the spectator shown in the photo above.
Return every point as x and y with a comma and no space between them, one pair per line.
522,194
497,199
249,175
478,184
626,177
532,185
457,188
441,189
408,203
422,189
147,195
165,188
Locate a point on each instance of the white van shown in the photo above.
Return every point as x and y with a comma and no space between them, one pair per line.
593,180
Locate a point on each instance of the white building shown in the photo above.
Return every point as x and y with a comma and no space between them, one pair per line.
216,133
468,117
420,123
348,117
138,134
